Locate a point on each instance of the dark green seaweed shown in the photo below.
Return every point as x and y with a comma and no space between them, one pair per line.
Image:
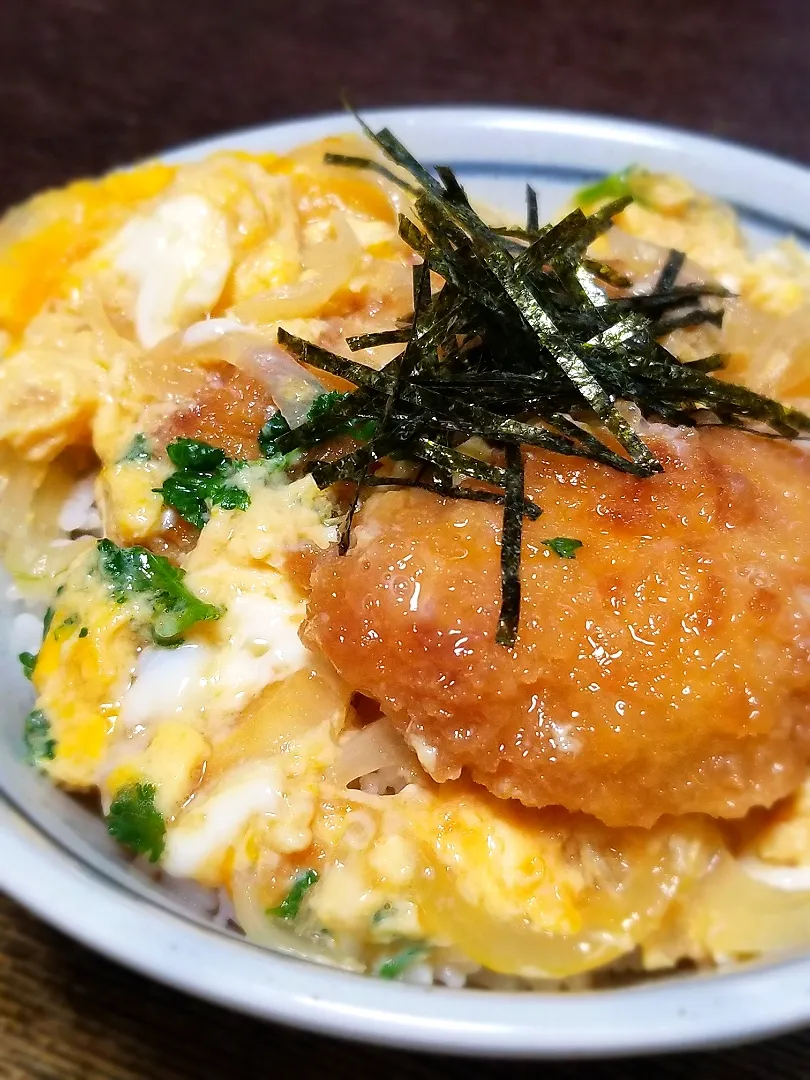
511,540
532,210
669,274
697,317
372,166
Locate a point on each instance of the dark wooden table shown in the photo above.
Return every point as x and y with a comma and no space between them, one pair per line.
86,84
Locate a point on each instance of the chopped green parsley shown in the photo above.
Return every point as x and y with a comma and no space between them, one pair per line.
28,662
564,546
39,743
399,963
205,477
290,906
139,449
362,428
137,572
275,427
65,628
614,186
134,820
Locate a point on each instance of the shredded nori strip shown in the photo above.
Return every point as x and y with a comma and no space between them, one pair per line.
530,509
532,210
669,273
511,540
385,337
689,318
654,302
525,343
372,166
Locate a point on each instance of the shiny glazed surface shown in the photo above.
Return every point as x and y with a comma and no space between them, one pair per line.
663,670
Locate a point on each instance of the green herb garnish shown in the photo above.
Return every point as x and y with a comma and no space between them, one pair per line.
204,477
139,449
399,963
134,820
322,419
65,628
39,743
291,904
84,632
323,403
564,546
522,345
193,455
28,661
137,572
271,432
381,914
614,186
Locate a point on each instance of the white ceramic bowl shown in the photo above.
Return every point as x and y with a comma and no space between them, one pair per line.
55,856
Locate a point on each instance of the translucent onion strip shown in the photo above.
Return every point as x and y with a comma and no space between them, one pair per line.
34,546
376,746
326,267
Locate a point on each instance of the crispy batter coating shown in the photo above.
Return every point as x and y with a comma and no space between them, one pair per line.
663,670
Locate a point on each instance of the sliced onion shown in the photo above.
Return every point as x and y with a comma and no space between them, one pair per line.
177,370
770,353
291,386
282,714
326,267
376,746
734,915
251,915
32,497
309,160
19,480
630,879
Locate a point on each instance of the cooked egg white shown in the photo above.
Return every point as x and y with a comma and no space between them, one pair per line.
167,683
196,845
257,645
787,878
177,258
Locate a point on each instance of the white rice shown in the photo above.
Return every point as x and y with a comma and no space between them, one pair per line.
26,633
79,514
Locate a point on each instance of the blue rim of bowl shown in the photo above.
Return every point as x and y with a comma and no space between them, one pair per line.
517,170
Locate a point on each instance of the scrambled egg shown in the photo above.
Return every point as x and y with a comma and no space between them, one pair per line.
238,564
86,661
95,276
101,684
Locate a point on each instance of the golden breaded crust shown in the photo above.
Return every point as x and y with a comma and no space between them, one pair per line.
664,670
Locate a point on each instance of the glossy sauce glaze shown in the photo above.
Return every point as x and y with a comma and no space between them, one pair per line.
227,412
663,670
